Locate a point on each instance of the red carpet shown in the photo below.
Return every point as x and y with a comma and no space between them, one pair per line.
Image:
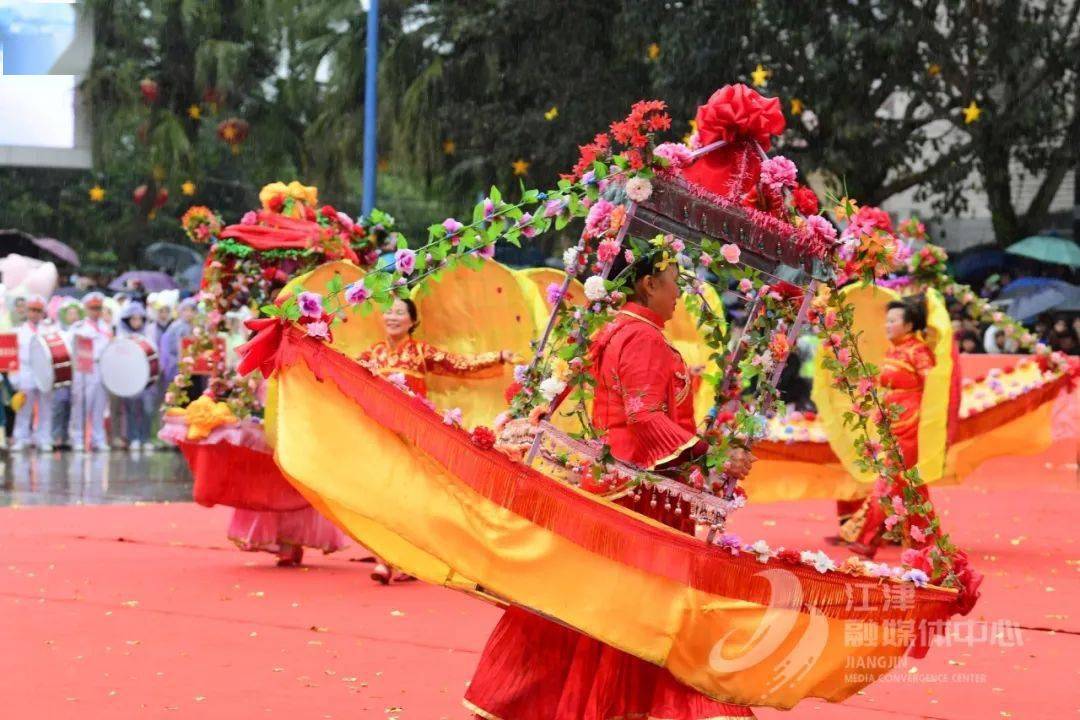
147,611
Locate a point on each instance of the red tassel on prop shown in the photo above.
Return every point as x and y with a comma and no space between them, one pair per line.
260,352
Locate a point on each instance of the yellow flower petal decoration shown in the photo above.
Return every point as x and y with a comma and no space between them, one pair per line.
845,208
203,415
306,194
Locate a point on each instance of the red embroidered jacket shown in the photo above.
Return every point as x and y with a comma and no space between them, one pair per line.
644,393
415,359
903,377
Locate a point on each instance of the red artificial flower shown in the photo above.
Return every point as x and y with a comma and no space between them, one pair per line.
309,214
810,415
786,290
793,557
328,212
779,347
723,417
511,392
483,437
276,203
969,579
874,217
805,201
149,90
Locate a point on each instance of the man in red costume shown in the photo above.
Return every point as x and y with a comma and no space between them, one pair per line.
903,377
535,669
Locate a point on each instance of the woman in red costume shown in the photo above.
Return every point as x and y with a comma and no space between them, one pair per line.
413,359
907,362
535,669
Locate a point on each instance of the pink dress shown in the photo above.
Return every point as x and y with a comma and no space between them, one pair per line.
253,530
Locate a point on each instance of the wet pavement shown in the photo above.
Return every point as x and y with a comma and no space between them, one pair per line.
68,478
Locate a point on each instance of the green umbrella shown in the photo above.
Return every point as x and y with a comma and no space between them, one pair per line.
1048,249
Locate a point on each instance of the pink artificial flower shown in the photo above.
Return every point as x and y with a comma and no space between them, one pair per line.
731,253
898,505
676,244
203,232
891,521
554,294
638,189
779,172
524,224
318,329
745,286
405,261
489,208
599,218
607,251
452,417
250,218
917,534
844,356
628,255
864,387
356,293
676,154
346,221
706,259
830,319
487,252
451,226
310,304
554,207
822,228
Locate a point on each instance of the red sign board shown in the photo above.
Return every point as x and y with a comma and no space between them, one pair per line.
9,352
206,360
84,354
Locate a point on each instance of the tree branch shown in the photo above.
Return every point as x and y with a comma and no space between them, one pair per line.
916,178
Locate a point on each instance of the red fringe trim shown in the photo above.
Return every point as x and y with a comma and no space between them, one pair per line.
598,528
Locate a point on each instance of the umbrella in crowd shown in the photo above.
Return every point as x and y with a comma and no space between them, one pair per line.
1028,297
152,281
191,278
1048,249
171,257
23,243
978,260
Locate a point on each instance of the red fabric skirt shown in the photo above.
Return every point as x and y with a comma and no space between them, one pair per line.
536,669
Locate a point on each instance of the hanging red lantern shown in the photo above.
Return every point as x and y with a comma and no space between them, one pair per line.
149,90
233,131
161,198
139,195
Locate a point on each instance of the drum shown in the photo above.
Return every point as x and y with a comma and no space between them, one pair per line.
129,365
50,361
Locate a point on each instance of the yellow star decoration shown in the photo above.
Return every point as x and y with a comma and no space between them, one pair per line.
972,113
188,188
760,76
933,69
97,194
552,113
158,173
521,167
653,51
449,147
194,112
203,415
796,106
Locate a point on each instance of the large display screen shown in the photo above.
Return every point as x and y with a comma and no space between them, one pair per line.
45,49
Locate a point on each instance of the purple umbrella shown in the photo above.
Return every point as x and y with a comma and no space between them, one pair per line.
59,249
23,243
152,281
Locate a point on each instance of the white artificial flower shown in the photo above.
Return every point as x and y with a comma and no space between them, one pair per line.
819,560
551,388
569,258
762,550
594,288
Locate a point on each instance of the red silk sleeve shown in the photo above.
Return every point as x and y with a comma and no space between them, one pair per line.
646,369
922,359
440,362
